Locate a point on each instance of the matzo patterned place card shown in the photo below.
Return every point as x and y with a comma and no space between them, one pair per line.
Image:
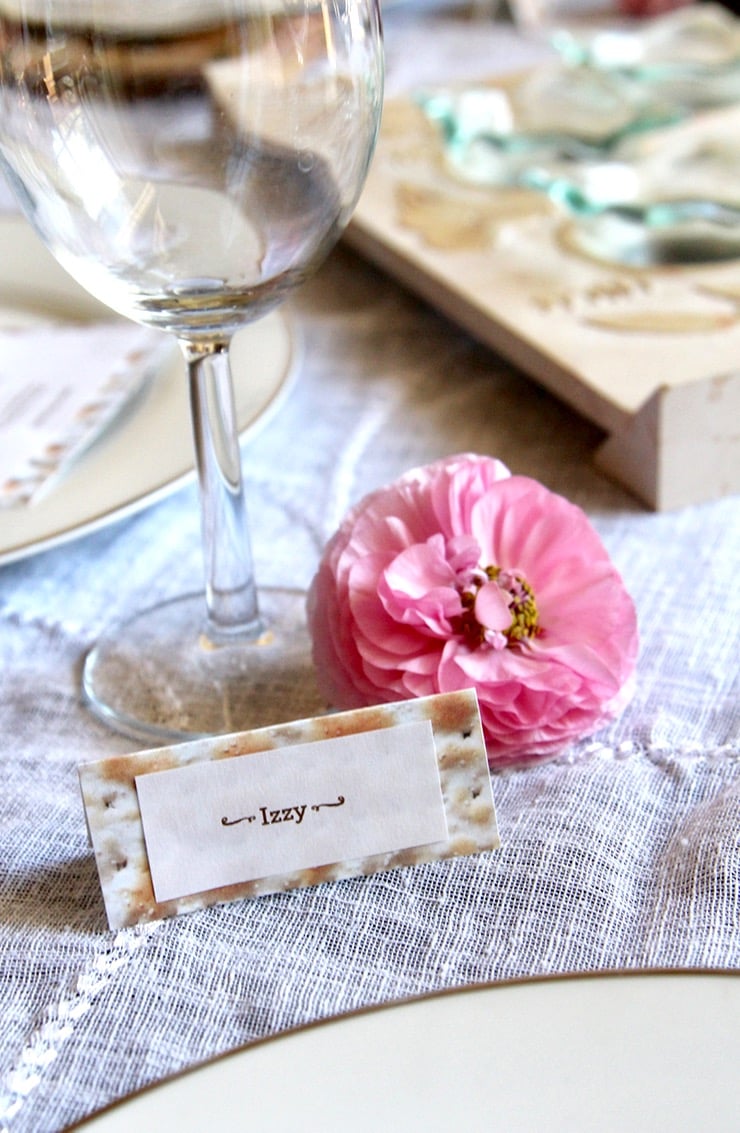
176,829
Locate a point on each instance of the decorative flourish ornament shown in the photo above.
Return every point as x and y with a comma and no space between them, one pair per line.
460,575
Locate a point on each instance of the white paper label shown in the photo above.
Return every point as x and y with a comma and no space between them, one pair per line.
228,821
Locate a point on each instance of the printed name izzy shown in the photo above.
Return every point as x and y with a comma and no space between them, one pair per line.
268,817
285,814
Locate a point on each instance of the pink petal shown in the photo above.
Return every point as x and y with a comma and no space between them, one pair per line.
419,569
492,607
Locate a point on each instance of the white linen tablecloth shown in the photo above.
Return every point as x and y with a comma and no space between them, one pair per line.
624,853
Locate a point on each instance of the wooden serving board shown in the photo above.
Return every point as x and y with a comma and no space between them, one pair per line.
651,354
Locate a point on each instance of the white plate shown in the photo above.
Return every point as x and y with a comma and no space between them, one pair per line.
649,1053
148,451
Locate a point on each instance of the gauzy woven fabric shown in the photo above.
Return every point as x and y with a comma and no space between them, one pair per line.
624,853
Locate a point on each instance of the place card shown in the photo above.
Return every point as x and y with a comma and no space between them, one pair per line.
178,828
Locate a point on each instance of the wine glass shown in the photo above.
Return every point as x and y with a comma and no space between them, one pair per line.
190,162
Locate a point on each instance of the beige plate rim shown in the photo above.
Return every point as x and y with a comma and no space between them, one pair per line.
367,1040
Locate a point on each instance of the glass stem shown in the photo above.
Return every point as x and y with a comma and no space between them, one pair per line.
232,612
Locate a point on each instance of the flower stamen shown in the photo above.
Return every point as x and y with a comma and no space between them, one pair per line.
521,608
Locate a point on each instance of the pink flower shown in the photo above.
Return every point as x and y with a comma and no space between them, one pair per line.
460,575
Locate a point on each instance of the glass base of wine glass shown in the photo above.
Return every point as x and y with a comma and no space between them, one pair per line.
155,677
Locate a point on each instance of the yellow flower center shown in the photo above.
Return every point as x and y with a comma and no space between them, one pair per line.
522,607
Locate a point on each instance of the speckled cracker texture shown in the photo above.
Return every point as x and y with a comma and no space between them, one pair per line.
115,826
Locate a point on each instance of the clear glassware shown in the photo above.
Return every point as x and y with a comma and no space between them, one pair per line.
190,162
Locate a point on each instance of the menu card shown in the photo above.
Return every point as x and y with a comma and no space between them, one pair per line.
61,386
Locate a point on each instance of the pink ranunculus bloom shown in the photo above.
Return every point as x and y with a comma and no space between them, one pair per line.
460,575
